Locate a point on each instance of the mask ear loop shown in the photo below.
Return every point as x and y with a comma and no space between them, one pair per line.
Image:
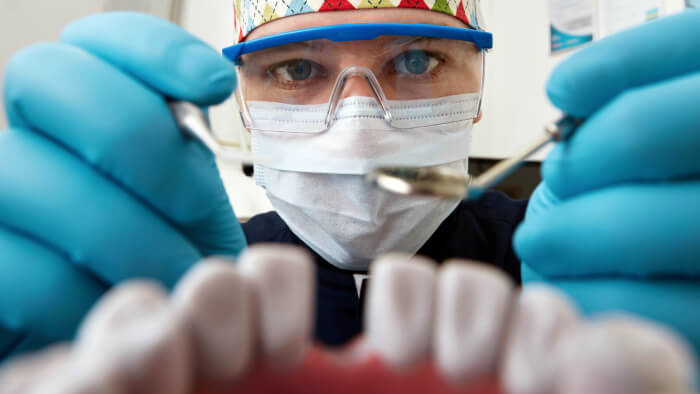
340,85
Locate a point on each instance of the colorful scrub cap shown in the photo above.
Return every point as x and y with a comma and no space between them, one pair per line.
249,14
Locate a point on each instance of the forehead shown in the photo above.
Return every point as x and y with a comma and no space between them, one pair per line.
388,15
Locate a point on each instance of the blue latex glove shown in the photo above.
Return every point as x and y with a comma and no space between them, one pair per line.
97,184
616,222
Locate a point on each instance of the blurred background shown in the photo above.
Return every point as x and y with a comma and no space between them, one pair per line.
531,38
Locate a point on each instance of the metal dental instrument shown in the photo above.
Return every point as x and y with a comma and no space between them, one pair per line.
191,120
444,182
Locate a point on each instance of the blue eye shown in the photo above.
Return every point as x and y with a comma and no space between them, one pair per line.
294,70
415,62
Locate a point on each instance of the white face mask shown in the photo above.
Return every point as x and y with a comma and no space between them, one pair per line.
317,183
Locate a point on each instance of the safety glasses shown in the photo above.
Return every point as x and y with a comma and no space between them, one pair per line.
306,75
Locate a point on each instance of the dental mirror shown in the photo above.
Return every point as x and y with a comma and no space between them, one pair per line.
445,182
442,182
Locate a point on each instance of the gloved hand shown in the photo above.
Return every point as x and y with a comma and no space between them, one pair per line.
97,184
616,222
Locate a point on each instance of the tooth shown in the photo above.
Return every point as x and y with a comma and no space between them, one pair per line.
625,355
473,303
284,290
76,383
134,337
50,372
533,354
399,311
22,374
216,301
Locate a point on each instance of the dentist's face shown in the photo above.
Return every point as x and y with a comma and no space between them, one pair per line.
465,75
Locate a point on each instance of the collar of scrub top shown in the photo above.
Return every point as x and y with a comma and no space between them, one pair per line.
360,32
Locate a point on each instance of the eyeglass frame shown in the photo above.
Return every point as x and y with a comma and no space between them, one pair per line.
358,32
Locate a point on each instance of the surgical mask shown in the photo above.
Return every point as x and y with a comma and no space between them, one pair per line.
316,183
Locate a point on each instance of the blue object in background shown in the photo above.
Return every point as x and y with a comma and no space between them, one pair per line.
561,41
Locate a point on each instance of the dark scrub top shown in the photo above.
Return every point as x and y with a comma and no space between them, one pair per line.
478,230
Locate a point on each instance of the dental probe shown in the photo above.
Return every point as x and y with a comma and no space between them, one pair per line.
445,182
192,121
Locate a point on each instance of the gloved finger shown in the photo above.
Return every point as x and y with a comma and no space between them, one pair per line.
40,292
54,197
541,200
653,52
667,301
646,134
630,230
126,131
160,54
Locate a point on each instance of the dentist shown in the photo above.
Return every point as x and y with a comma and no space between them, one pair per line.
97,185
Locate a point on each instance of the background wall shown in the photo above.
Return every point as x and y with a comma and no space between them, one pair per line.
515,106
26,22
29,21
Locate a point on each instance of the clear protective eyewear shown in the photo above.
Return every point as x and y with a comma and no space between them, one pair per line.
308,73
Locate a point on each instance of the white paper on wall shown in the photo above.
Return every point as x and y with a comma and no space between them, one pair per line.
617,15
163,8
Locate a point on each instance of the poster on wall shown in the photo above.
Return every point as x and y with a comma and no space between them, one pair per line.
168,9
571,23
617,15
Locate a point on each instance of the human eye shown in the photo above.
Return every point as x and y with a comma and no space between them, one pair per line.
293,72
416,63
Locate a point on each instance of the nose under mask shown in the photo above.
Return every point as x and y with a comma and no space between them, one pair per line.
317,184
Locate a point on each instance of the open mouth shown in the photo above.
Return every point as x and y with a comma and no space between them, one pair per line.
246,327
